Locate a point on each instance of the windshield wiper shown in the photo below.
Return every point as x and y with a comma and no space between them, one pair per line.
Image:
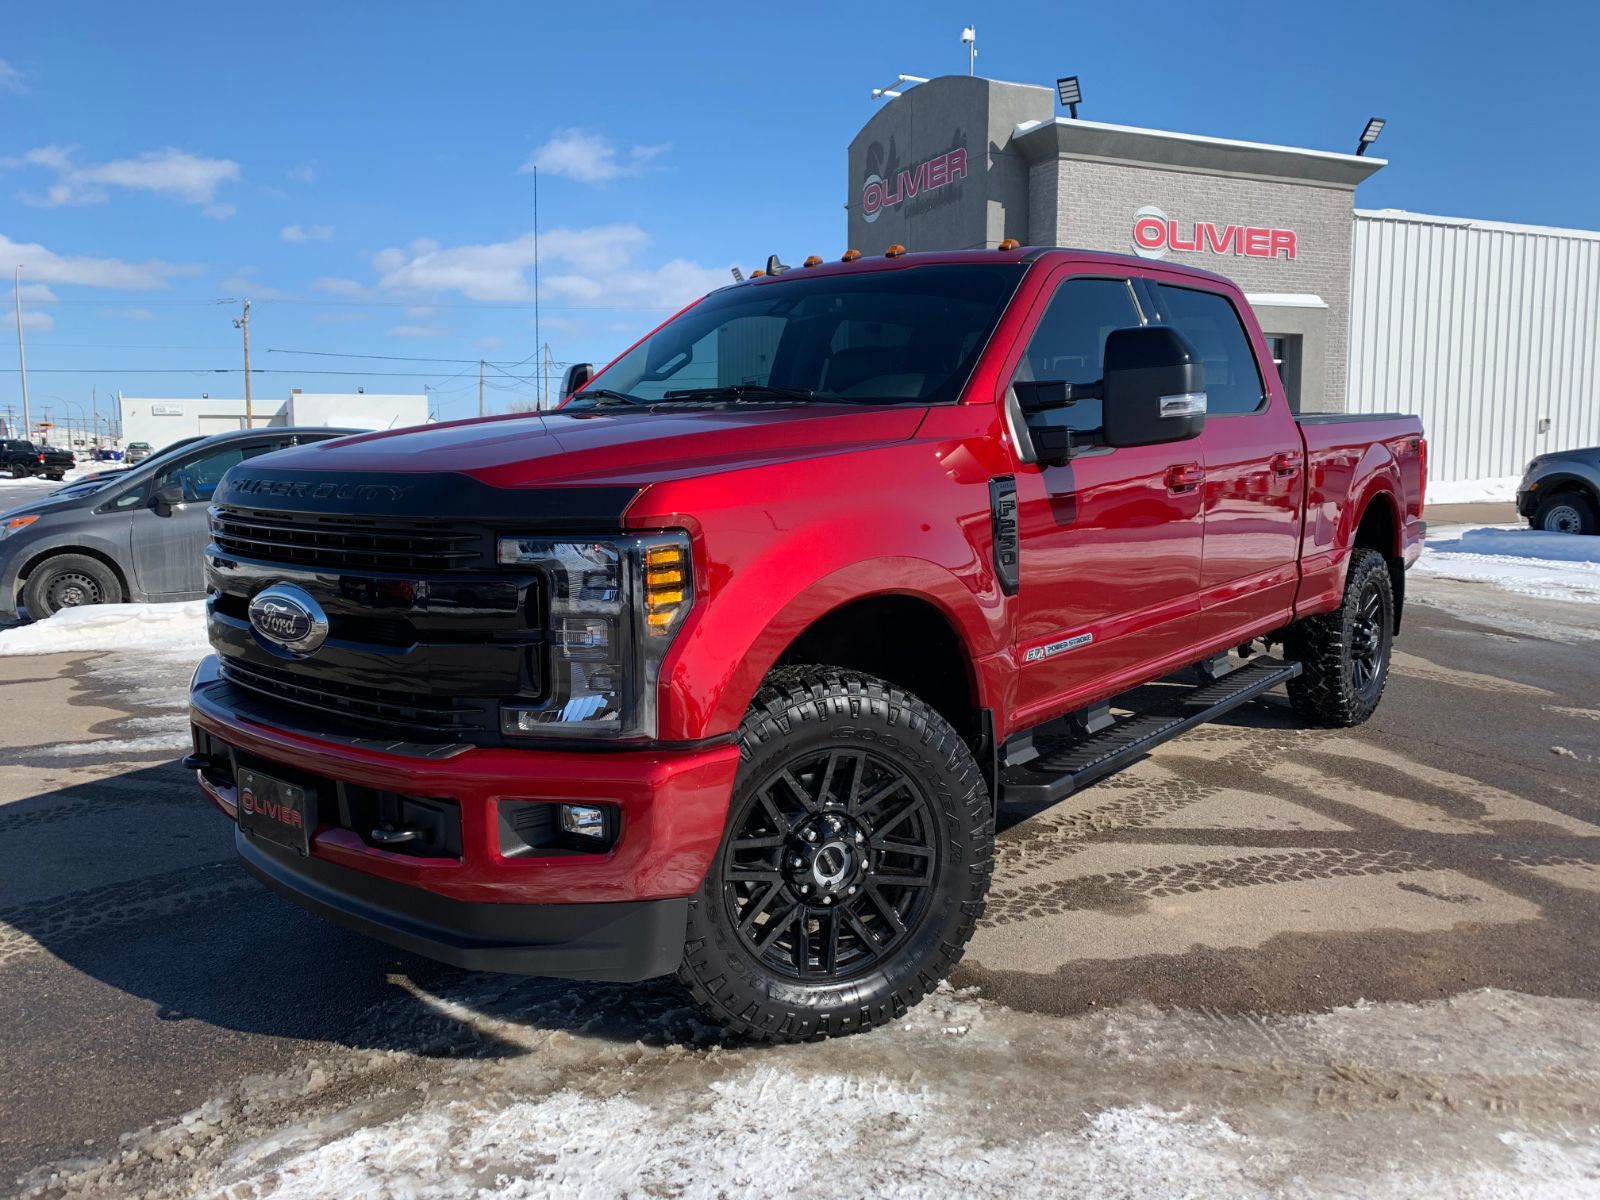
603,395
740,391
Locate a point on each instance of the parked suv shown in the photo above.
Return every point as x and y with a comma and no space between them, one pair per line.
724,668
138,534
1560,492
21,459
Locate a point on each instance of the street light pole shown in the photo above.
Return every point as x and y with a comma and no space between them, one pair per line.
22,363
243,322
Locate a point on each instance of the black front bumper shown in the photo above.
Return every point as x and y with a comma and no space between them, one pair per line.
622,942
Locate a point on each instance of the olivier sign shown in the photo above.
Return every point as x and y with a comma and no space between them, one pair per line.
929,175
1154,233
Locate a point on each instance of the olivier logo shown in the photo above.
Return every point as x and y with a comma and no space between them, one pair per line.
289,618
1154,233
878,193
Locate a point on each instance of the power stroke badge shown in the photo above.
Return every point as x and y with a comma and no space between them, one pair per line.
1038,653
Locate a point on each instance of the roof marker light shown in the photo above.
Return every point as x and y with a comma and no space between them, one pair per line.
814,260
894,251
757,274
1008,244
850,256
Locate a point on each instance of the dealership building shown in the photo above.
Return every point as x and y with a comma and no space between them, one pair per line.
163,421
1489,331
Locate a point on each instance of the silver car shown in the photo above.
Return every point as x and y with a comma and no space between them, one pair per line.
1560,492
137,534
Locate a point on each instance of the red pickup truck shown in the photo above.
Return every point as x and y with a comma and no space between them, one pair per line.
725,667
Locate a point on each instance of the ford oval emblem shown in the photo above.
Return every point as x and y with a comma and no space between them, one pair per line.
289,619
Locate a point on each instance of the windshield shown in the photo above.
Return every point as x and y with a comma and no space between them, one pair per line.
908,336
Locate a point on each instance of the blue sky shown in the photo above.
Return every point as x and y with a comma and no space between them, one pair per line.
357,170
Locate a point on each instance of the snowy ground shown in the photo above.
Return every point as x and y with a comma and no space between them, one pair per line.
585,1091
1553,566
1474,491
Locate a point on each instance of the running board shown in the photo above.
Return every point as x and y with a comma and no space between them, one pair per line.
1057,774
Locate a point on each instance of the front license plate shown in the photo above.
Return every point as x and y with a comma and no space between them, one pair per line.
276,811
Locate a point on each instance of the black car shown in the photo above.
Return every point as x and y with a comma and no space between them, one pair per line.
138,534
21,459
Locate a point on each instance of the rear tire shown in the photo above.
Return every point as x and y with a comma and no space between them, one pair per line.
68,581
854,866
1566,512
18,471
1344,654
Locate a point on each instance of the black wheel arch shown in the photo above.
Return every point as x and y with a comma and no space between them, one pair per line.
1379,529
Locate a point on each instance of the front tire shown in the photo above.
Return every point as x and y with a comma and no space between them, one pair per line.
68,581
1344,654
854,866
1566,512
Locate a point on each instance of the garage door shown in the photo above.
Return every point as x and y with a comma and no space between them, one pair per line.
210,425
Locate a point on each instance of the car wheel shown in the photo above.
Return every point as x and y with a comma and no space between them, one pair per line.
1344,655
18,471
854,865
1566,512
68,581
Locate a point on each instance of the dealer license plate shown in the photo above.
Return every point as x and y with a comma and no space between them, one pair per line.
276,811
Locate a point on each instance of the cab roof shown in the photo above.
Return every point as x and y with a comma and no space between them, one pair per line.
1026,255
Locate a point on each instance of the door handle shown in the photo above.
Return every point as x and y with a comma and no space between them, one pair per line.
1183,476
1285,464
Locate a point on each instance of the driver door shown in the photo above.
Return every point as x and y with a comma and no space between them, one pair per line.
1110,541
169,540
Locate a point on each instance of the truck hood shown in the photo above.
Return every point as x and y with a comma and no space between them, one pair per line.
608,448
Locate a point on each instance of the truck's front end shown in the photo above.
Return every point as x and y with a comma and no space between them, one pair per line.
432,711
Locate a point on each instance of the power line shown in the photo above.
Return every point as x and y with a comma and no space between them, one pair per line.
232,371
395,357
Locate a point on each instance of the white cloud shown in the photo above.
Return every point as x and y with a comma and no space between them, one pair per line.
307,233
175,174
11,81
490,343
32,320
589,157
580,266
335,286
33,293
46,266
243,282
421,310
303,172
421,331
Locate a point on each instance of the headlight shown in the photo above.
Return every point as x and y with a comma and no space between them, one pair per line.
15,524
615,605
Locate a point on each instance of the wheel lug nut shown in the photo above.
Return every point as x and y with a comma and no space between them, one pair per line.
811,835
851,890
797,862
827,899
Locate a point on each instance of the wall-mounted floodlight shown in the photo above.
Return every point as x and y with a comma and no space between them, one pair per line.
1370,134
894,89
1071,94
738,275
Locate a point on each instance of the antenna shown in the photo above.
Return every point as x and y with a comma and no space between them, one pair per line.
969,38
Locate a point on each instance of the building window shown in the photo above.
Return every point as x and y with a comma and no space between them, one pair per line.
1286,349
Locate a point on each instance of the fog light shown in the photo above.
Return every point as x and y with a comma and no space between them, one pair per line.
584,820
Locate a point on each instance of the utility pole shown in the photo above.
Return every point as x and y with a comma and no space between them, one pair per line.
536,340
544,377
243,322
22,363
94,416
480,387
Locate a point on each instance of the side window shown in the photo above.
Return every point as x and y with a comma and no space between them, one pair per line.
200,475
1209,322
1070,343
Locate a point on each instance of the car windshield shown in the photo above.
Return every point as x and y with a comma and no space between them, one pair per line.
898,336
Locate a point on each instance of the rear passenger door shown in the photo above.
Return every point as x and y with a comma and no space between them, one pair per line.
1252,454
1110,542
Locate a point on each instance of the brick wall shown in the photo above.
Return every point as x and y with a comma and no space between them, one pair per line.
1091,204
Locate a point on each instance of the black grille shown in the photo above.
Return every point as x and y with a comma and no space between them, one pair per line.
351,543
396,713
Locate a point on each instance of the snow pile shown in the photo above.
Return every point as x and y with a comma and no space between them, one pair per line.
1553,566
1502,488
170,630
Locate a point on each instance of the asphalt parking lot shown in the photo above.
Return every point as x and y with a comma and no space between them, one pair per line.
1251,874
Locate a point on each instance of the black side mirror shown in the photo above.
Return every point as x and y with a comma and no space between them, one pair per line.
1154,387
166,497
577,375
1041,395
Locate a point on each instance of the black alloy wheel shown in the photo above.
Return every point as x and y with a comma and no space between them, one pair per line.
1369,642
830,867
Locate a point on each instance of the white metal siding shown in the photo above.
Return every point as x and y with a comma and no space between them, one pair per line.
1481,329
